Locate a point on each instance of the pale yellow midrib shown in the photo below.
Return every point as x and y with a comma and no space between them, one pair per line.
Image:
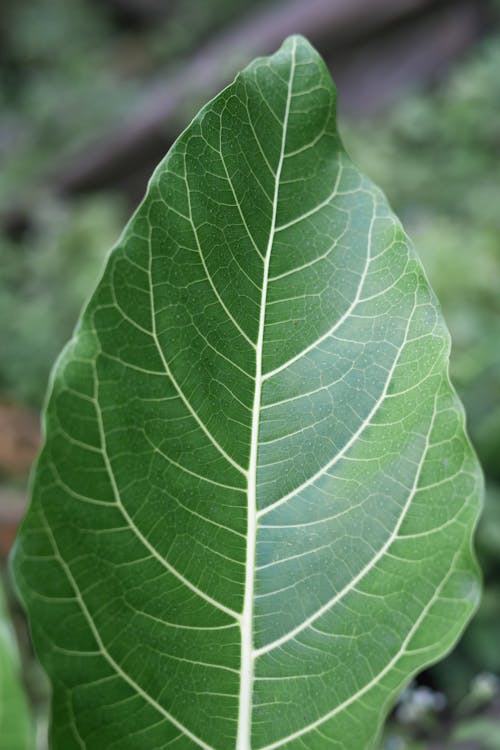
246,622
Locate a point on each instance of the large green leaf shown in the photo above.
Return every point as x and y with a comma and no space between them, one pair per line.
252,517
15,724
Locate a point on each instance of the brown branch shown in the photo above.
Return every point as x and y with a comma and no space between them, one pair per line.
12,508
374,74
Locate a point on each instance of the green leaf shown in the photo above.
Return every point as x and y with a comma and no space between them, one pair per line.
252,517
15,724
481,731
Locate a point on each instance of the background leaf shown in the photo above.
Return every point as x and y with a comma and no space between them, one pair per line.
16,731
251,520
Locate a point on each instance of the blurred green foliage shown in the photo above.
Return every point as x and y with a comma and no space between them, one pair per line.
43,283
69,69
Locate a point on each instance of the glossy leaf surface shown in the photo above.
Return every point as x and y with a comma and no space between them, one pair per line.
252,517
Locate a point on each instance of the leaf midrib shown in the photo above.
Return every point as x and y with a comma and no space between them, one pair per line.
246,622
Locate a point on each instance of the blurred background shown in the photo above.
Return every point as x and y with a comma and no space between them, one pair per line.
92,94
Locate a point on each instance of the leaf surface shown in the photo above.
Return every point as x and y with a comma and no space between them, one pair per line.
251,520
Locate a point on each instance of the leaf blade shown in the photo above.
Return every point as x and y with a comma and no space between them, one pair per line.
244,443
